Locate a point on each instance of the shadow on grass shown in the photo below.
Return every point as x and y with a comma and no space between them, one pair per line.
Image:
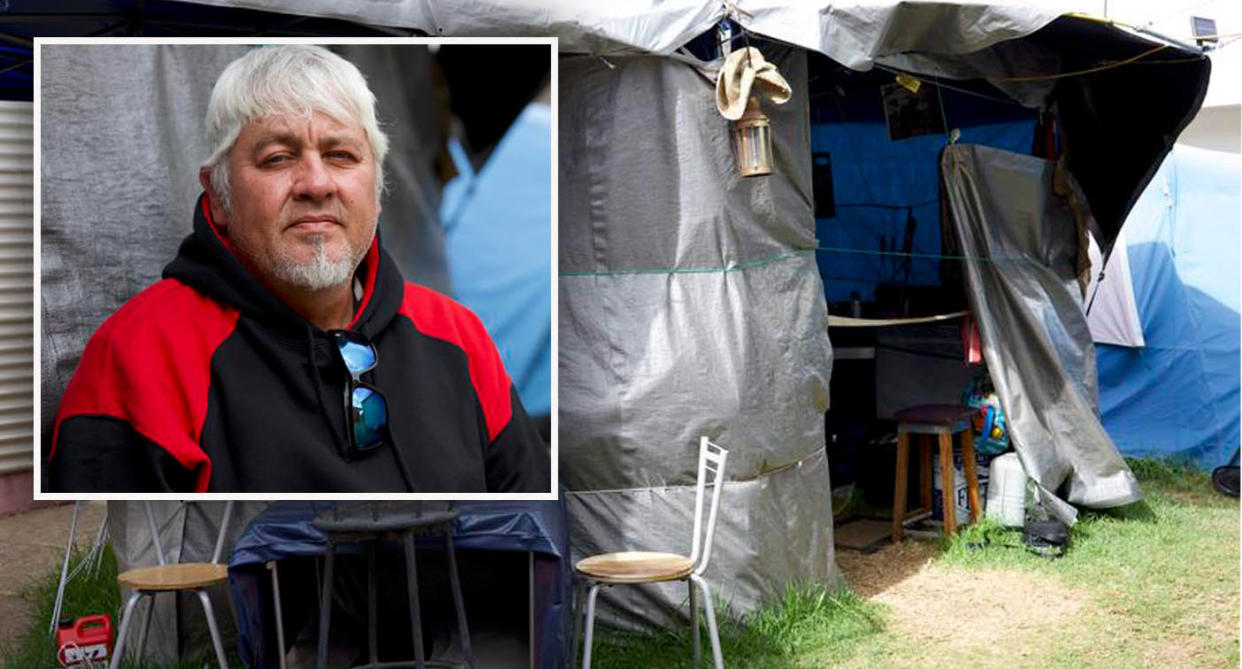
782,633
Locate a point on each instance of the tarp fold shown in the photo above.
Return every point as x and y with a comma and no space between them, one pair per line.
1020,244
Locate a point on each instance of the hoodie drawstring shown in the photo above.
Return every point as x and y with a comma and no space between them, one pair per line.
342,444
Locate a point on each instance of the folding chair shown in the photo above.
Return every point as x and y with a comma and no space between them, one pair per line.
185,576
634,567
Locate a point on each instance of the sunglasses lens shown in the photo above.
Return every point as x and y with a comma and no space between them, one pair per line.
358,357
370,417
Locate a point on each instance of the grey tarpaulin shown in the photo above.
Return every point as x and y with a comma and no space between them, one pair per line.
690,304
122,141
1021,245
853,34
1023,51
938,39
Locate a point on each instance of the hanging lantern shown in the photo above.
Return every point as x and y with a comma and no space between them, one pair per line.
743,80
752,142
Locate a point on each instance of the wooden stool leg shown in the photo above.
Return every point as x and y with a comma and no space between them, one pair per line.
972,477
947,492
899,486
925,471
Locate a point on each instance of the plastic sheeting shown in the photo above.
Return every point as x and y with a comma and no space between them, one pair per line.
1178,396
1028,53
880,184
1112,312
284,530
498,228
122,141
852,34
1021,247
689,304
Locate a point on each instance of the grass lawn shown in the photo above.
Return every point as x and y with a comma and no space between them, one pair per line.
1153,584
93,591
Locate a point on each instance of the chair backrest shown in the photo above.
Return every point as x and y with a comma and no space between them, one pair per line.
711,473
159,547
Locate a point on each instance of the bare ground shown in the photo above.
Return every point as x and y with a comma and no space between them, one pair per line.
946,615
952,613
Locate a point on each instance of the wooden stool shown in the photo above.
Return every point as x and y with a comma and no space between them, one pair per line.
944,421
371,523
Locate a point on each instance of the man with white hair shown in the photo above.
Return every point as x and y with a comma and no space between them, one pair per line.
283,351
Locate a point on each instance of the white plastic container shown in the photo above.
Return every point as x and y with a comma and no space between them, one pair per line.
982,471
1007,491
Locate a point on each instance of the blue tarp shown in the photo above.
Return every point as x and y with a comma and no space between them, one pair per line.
284,530
498,227
1178,396
879,183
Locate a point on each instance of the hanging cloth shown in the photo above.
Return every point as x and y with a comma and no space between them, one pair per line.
745,72
970,341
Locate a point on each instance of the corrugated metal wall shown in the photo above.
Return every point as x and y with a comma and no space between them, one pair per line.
16,286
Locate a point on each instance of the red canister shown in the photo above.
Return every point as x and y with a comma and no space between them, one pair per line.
84,642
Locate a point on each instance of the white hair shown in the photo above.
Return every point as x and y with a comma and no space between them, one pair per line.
293,79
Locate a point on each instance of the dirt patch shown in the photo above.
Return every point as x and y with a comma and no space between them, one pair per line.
872,574
943,607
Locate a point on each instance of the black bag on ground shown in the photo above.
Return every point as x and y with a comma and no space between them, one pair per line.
1048,538
1225,480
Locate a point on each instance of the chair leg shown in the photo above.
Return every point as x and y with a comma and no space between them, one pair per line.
325,608
711,620
972,477
459,603
694,622
948,484
899,485
576,614
280,619
416,620
925,471
590,626
372,620
146,625
127,618
213,628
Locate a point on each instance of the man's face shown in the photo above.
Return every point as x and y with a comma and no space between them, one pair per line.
303,200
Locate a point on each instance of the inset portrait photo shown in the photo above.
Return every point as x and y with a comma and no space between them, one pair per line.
295,268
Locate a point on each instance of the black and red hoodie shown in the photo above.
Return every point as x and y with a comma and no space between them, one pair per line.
207,382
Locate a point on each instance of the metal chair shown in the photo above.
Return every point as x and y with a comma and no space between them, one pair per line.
184,576
402,523
634,567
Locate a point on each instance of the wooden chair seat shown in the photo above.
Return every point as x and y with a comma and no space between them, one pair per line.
184,576
636,567
935,414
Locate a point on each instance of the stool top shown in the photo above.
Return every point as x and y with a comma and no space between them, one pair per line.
388,522
935,414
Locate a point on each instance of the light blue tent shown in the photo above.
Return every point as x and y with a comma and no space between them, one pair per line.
498,223
1177,396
